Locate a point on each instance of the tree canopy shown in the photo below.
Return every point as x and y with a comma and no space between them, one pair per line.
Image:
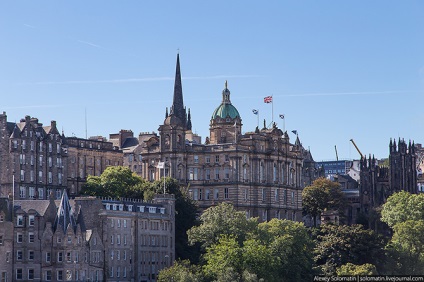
323,194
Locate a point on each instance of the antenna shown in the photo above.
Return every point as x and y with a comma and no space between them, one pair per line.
85,123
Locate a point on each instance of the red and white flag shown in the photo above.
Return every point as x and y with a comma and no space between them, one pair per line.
268,99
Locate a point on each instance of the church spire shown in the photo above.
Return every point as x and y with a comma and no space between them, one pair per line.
177,107
189,120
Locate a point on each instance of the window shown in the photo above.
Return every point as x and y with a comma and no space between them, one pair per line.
216,194
50,162
274,175
196,159
19,274
1,239
19,237
226,193
50,177
22,175
68,256
31,220
48,275
208,159
217,158
30,255
19,255
276,195
31,192
22,192
292,197
50,147
125,223
119,222
227,173
111,272
216,173
111,239
227,158
59,240
125,239
20,220
207,196
31,175
118,239
208,174
48,256
40,193
31,274
59,256
31,237
263,194
40,160
60,275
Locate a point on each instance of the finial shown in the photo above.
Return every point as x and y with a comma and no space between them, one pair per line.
226,84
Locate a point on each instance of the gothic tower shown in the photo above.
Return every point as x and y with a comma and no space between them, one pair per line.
225,125
403,175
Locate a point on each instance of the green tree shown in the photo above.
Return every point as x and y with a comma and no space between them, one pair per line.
115,182
322,195
181,271
341,244
221,220
406,248
403,206
351,269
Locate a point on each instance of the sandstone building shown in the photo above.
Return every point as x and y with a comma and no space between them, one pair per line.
260,172
86,239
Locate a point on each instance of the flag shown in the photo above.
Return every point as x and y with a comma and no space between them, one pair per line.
161,165
282,116
268,99
294,131
255,112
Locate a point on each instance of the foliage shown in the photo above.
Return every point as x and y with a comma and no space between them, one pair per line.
323,194
403,206
351,269
406,248
181,271
220,220
338,245
115,182
119,182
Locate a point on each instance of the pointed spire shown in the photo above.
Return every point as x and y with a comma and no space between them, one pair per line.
64,216
189,120
226,94
166,113
177,108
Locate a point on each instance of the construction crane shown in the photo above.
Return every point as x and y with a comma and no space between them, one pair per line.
357,149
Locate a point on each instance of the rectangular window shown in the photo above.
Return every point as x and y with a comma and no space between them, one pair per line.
30,274
19,274
40,193
1,239
60,275
22,192
118,239
31,192
50,177
59,256
276,195
68,256
227,173
30,255
208,174
125,223
208,159
217,158
48,275
19,237
40,160
119,222
196,159
226,193
292,197
19,255
48,257
125,239
216,194
20,220
216,173
31,237
22,175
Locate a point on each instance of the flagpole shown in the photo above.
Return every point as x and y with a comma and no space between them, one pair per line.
258,119
272,111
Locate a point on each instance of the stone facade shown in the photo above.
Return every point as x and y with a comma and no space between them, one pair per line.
86,239
260,172
89,157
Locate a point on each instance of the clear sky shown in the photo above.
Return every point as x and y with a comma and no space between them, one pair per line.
336,69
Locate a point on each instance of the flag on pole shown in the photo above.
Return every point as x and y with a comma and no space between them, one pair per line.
268,99
255,112
294,131
282,116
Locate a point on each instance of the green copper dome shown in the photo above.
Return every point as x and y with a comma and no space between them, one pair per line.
226,109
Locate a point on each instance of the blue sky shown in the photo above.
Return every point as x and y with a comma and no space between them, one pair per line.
337,69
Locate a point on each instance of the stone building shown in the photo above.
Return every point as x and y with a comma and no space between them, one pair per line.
33,159
260,172
86,239
377,183
89,157
6,240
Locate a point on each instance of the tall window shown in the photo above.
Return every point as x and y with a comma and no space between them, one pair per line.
226,193
227,173
261,172
216,173
274,174
208,174
276,195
